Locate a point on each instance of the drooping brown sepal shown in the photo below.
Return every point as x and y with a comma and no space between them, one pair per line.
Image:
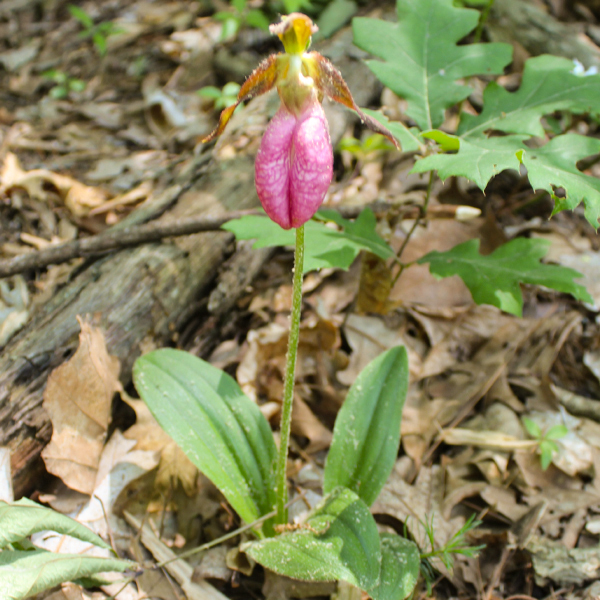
260,81
329,81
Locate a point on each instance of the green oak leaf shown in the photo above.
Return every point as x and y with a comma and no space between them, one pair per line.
495,279
477,159
421,58
324,247
548,84
555,165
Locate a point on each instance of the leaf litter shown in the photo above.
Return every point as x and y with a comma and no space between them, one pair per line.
74,166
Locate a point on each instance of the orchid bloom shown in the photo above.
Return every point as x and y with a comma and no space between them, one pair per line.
294,165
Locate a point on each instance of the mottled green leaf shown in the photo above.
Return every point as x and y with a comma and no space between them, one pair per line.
338,541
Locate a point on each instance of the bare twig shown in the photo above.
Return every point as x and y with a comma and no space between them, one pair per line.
154,232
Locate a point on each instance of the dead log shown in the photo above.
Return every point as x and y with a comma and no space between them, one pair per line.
142,296
538,32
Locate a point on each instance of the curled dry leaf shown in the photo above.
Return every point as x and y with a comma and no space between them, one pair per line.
78,399
78,198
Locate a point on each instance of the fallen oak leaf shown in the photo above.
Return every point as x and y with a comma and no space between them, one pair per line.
79,198
78,398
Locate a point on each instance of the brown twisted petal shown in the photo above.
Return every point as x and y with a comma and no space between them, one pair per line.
260,81
329,81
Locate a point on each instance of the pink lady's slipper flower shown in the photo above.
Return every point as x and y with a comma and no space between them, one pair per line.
294,165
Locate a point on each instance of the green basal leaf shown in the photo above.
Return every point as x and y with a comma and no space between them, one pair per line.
410,139
555,165
324,247
339,542
21,519
495,279
421,59
477,159
217,426
400,564
25,574
366,435
548,85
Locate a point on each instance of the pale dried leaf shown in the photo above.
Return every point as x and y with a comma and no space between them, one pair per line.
78,398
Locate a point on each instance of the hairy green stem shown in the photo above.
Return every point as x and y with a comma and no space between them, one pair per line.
288,389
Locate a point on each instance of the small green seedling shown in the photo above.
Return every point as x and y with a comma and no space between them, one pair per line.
222,98
99,33
456,545
239,16
369,147
546,441
63,84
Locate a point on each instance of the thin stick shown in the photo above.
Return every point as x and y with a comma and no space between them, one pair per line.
290,372
154,232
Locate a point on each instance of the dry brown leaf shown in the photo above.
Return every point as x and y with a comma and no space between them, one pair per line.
369,337
422,501
306,424
417,286
78,197
174,465
78,398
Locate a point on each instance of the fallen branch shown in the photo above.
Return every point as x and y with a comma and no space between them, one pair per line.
154,232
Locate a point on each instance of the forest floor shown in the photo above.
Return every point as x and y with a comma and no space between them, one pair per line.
91,127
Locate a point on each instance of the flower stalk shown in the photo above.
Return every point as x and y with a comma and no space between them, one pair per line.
290,373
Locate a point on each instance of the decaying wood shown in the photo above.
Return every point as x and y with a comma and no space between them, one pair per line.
141,295
135,235
540,33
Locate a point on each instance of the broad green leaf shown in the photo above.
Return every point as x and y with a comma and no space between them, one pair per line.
409,139
548,84
477,159
421,58
217,426
494,279
366,435
25,574
21,519
400,563
555,165
339,541
325,247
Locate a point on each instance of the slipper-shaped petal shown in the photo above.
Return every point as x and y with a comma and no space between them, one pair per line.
294,166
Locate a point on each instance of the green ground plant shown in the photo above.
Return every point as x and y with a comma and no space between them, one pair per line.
98,32
224,433
546,440
63,84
